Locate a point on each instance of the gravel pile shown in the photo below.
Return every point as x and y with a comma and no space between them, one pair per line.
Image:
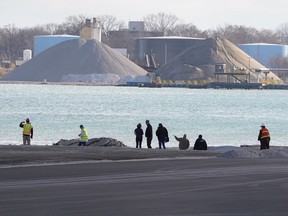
77,61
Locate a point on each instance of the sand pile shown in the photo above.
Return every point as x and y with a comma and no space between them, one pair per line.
77,61
198,61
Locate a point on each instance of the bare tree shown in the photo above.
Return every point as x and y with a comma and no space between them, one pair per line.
109,23
236,34
73,25
52,28
282,33
242,34
186,30
161,22
267,36
278,62
9,42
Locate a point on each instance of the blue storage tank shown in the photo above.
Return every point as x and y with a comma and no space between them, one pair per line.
263,52
44,42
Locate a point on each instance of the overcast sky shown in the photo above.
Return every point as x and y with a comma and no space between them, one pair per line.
205,14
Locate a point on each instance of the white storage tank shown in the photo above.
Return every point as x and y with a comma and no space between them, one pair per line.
44,42
27,54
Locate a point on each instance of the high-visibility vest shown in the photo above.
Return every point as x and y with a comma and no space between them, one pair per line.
84,135
264,133
27,129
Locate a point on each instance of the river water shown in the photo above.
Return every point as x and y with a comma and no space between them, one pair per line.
223,117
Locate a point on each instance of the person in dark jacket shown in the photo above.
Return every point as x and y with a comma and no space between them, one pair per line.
139,135
149,134
162,135
200,144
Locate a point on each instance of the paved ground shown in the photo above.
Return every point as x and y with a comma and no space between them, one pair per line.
202,187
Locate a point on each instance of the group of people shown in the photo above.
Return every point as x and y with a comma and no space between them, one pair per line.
161,133
163,137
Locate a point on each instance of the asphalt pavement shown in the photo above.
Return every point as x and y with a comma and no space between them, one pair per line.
162,187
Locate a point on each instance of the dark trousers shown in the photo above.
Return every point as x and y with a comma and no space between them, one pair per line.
82,143
264,143
138,142
149,140
161,143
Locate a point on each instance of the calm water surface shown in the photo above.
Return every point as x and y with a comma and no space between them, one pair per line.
223,117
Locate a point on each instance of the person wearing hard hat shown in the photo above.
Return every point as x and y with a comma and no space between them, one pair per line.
27,131
83,136
264,137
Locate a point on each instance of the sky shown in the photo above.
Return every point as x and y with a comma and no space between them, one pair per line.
204,14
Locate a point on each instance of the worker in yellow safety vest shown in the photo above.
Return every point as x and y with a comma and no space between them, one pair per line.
264,137
27,131
83,136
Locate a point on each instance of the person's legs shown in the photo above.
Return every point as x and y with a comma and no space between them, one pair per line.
161,143
263,144
164,147
267,143
149,139
81,143
24,140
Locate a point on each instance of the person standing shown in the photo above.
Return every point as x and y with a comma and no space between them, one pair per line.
27,131
162,135
83,136
200,144
139,135
149,134
183,142
264,137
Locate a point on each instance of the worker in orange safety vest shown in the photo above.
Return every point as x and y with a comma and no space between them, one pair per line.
264,137
27,131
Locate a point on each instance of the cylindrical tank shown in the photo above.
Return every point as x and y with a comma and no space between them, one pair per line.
264,53
162,48
27,54
44,42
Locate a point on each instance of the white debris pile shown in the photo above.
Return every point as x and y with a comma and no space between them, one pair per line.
133,78
94,78
255,152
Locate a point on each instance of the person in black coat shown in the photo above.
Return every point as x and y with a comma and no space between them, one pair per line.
149,134
200,144
139,135
162,135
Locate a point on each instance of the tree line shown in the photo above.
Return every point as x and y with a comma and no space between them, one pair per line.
14,40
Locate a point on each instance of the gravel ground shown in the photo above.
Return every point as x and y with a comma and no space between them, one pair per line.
30,155
23,155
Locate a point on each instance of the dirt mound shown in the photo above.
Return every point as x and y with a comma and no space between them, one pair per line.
198,61
73,59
